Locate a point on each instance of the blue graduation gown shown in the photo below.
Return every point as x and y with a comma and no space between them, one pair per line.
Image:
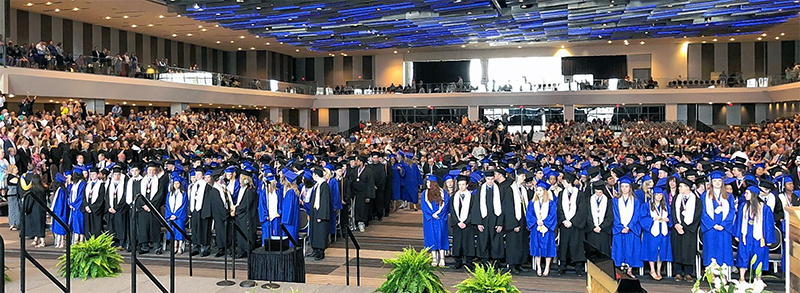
61,209
290,213
336,203
178,211
717,244
435,231
542,244
749,246
411,184
397,180
75,215
268,228
659,247
639,195
626,248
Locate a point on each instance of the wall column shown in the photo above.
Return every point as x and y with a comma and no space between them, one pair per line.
176,108
344,119
385,114
304,118
363,114
97,106
569,113
761,113
705,114
683,113
671,112
275,115
322,118
473,113
734,114
484,75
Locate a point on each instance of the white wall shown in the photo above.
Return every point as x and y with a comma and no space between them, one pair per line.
389,69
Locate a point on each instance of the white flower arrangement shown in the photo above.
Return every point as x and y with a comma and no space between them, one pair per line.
719,281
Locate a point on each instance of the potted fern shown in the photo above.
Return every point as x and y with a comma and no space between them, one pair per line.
93,258
486,280
412,272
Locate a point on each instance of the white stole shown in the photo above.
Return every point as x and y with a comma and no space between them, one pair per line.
129,188
152,183
542,210
569,202
599,210
92,190
625,210
317,194
462,208
688,210
175,200
431,205
658,226
115,191
724,206
758,225
239,197
223,193
74,191
495,200
272,203
769,199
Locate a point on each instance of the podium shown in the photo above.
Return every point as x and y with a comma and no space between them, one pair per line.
277,262
792,246
602,275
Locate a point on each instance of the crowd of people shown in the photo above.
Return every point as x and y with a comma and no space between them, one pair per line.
644,196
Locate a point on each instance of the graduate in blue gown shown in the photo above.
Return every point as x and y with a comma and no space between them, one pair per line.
656,243
398,173
60,207
76,193
643,194
411,182
269,204
717,222
626,248
434,225
542,218
336,196
754,229
290,205
176,211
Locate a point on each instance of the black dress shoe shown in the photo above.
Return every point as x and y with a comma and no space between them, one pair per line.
158,251
241,255
561,272
579,273
219,253
205,252
318,258
457,266
523,269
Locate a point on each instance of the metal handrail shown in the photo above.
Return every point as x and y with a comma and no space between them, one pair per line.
187,238
238,230
24,252
289,235
3,263
135,261
351,237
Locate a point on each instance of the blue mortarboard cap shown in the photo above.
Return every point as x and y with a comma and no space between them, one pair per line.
60,178
584,173
208,172
625,180
543,184
409,155
530,158
717,175
786,179
510,155
485,161
307,175
432,177
475,176
391,156
509,170
67,172
586,165
759,165
552,173
192,172
754,189
568,169
750,178
730,180
658,190
662,182
230,169
647,178
290,176
454,172
214,165
330,167
309,157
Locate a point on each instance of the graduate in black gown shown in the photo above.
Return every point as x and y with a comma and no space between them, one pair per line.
35,220
246,206
685,216
571,225
220,210
117,207
515,225
598,225
489,220
94,204
132,187
362,190
461,214
319,215
148,228
200,216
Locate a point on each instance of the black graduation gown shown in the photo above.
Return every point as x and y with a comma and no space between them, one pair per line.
201,219
93,220
600,240
248,206
490,243
319,217
219,211
378,172
570,245
362,188
684,246
149,229
35,215
463,239
136,187
517,243
119,222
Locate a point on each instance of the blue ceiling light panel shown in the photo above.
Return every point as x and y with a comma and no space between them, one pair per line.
337,25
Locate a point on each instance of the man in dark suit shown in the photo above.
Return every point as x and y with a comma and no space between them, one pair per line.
362,190
320,215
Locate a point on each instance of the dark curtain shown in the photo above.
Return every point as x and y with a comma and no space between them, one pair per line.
599,66
441,72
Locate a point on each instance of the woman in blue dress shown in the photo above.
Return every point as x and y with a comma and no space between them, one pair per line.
60,207
717,222
656,243
434,224
175,211
755,231
77,186
542,219
626,247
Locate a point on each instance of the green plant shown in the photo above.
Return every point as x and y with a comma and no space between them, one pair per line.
412,272
486,280
95,258
8,279
717,278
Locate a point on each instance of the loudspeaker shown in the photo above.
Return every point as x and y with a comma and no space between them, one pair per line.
630,286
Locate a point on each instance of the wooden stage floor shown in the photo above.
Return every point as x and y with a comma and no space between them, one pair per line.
380,240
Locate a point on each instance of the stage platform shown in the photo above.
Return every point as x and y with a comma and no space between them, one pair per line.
380,240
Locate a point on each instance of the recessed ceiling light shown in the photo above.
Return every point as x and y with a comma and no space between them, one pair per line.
759,38
125,16
134,105
782,34
199,26
161,16
777,38
252,48
641,43
58,10
704,42
462,46
258,7
150,104
733,39
189,34
562,46
267,43
715,39
48,3
179,15
519,47
150,25
29,4
75,9
241,37
395,51
216,25
240,48
764,35
203,30
231,42
108,17
609,41
297,50
174,35
218,42
133,26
